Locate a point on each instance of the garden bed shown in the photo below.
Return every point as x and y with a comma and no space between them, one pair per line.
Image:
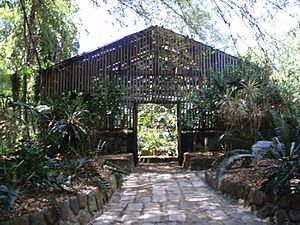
70,204
247,185
199,160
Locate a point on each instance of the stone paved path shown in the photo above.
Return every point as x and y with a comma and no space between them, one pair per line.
163,193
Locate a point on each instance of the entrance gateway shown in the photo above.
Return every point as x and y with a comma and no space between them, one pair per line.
154,65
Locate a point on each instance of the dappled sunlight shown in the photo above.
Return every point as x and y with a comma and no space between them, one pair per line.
156,131
165,193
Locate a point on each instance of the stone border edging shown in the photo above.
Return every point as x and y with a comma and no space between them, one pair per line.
76,210
282,210
191,161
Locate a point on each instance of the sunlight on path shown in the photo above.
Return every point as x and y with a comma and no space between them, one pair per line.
163,193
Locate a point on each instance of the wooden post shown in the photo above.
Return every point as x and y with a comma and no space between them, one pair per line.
180,153
135,130
194,140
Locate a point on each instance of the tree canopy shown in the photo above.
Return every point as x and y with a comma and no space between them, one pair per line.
35,34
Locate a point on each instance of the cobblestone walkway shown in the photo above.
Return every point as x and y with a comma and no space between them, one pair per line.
163,193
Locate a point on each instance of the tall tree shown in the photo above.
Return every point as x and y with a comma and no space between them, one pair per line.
35,34
202,19
287,70
186,16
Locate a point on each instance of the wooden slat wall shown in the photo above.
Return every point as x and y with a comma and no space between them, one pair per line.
155,65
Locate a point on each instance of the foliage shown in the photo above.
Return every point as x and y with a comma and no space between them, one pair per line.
7,199
101,182
13,125
239,107
105,103
8,125
285,164
34,35
236,101
116,170
66,131
86,167
222,164
189,17
285,127
282,151
286,72
53,45
74,119
156,130
282,173
243,89
30,165
199,103
247,101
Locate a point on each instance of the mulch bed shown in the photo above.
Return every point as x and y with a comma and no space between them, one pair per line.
32,199
254,176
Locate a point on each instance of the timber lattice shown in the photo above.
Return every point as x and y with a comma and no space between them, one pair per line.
155,65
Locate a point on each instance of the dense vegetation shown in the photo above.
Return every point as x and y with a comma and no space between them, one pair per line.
157,130
258,101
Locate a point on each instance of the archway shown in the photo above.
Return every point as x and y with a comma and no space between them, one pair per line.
154,65
157,131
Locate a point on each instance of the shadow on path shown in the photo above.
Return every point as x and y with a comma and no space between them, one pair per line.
164,193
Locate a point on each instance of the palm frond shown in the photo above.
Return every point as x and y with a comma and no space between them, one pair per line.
229,154
227,163
281,175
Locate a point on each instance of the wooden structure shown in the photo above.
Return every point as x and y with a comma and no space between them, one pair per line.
155,65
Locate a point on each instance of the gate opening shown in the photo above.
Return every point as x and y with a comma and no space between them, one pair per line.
157,131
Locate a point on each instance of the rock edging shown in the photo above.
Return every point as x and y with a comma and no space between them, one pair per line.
282,210
194,161
76,210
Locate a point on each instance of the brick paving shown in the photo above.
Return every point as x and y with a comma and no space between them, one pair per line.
163,193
